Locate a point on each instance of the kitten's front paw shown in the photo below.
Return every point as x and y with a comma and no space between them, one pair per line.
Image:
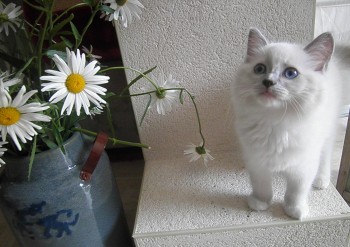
297,211
257,204
321,183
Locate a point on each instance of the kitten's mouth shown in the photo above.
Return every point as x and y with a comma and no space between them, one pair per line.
268,98
268,94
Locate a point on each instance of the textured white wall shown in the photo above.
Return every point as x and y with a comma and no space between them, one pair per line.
201,43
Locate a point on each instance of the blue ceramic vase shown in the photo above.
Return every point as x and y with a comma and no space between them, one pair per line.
55,207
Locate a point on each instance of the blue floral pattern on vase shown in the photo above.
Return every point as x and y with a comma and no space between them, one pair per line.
32,219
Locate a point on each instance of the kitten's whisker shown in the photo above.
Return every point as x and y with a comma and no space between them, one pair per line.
285,104
298,103
295,106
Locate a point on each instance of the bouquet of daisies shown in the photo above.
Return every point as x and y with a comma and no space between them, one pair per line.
48,84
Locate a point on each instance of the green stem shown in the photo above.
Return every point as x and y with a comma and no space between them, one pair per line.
135,70
67,10
87,26
178,89
113,140
132,95
35,6
110,120
32,156
198,119
41,42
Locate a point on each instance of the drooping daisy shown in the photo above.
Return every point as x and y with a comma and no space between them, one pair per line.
196,152
17,117
2,151
74,82
163,99
96,110
123,10
4,78
9,17
89,54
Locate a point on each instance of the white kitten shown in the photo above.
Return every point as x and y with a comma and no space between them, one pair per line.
286,100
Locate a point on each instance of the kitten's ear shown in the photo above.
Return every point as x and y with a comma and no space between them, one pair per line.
321,49
255,41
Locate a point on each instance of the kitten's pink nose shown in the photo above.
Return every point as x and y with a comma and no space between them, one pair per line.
268,83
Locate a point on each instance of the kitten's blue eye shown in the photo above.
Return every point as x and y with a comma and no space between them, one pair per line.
290,73
260,69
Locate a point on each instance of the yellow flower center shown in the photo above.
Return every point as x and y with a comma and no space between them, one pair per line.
121,2
75,83
9,116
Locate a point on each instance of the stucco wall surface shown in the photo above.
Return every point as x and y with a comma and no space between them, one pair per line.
201,43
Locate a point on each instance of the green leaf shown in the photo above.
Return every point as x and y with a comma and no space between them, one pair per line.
49,143
107,9
61,24
181,97
51,53
32,156
67,42
60,46
57,135
25,66
12,60
108,95
147,106
91,3
136,79
75,31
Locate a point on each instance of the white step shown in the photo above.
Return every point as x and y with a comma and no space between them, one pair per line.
186,204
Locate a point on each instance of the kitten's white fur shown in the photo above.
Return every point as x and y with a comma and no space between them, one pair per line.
289,127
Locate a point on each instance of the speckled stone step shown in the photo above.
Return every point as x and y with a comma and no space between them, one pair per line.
186,204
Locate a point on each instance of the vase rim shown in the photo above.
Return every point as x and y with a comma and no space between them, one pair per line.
66,143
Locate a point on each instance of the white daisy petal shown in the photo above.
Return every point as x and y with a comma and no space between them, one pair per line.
22,99
89,67
61,65
14,138
196,152
10,18
68,103
124,13
74,63
59,79
71,106
59,95
85,102
17,122
82,64
76,83
52,86
167,98
55,72
78,104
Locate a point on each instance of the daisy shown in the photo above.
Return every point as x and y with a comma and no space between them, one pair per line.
196,152
2,151
7,83
9,17
76,83
96,110
16,117
123,10
89,53
163,98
